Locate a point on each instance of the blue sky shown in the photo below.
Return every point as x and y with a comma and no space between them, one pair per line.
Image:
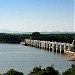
37,15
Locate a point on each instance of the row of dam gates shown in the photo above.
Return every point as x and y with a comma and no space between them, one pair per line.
56,46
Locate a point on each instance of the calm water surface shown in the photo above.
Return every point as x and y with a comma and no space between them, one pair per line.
24,59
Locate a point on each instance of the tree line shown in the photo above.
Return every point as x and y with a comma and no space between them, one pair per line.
43,71
17,38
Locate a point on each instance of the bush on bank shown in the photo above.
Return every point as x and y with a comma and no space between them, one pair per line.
45,71
12,72
70,71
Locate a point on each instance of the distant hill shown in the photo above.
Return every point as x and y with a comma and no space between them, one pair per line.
9,31
19,32
5,31
57,32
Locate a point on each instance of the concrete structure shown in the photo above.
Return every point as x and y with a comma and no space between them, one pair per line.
48,45
70,52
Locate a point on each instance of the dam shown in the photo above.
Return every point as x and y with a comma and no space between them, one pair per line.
50,45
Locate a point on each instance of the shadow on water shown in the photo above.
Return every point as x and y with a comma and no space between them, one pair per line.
54,51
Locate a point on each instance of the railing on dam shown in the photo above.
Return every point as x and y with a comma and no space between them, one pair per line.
56,46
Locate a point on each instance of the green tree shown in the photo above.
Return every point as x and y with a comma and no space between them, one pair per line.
35,35
46,71
70,71
12,72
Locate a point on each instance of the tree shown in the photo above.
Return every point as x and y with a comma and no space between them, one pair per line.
12,72
46,71
70,71
35,35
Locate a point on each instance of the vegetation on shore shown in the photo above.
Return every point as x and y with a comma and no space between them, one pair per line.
12,72
45,71
17,38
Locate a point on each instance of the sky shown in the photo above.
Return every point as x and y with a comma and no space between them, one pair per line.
37,15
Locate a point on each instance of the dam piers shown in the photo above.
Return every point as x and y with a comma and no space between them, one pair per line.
66,48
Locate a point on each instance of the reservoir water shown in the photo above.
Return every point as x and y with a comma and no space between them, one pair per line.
24,58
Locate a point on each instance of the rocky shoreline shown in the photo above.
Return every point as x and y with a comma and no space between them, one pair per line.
70,54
